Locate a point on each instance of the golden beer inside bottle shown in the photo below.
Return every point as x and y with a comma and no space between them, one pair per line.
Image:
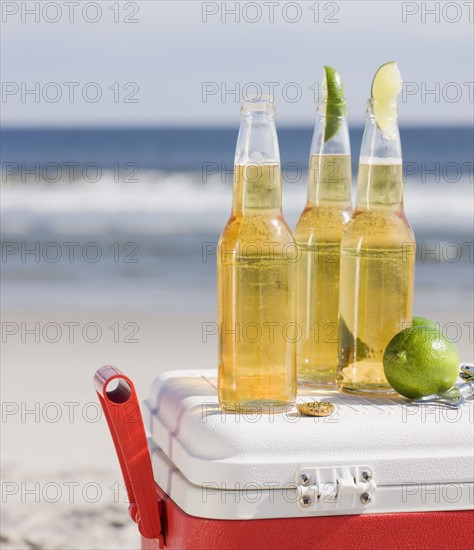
256,270
377,273
318,235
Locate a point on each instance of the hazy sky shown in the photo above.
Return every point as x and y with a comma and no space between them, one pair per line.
181,57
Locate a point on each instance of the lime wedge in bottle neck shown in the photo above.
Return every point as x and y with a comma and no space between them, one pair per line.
333,99
386,86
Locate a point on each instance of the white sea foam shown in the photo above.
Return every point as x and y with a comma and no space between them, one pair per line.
166,203
171,216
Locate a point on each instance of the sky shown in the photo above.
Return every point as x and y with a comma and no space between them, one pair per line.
181,63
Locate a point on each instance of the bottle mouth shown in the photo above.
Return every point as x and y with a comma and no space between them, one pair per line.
390,108
328,101
262,104
335,109
391,103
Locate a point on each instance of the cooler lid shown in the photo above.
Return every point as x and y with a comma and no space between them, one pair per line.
401,442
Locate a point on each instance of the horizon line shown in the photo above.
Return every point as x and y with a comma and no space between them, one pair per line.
208,127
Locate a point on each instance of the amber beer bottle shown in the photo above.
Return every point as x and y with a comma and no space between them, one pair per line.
318,236
256,262
377,264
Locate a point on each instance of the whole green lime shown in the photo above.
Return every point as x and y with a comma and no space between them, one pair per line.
419,361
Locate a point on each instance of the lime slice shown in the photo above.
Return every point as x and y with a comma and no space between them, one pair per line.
352,349
419,361
386,86
333,98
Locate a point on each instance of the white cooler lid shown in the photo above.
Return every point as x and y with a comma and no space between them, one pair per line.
402,443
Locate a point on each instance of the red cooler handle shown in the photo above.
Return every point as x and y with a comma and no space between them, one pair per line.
122,411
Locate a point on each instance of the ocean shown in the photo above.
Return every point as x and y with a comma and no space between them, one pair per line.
127,219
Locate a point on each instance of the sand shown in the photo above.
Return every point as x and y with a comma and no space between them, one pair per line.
61,482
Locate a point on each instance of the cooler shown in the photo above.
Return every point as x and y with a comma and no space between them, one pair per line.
378,473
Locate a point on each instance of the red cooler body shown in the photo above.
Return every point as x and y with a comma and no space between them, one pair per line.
379,473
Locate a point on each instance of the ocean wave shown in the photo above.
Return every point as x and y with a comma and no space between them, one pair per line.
181,202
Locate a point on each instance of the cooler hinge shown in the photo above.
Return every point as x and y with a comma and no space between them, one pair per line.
335,488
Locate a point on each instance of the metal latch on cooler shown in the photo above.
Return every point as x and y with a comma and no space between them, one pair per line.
335,488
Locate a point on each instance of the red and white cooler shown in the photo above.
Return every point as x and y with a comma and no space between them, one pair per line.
378,473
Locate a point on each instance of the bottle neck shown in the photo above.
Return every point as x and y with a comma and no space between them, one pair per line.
329,171
256,189
380,175
257,172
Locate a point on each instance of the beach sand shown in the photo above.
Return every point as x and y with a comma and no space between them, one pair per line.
61,481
